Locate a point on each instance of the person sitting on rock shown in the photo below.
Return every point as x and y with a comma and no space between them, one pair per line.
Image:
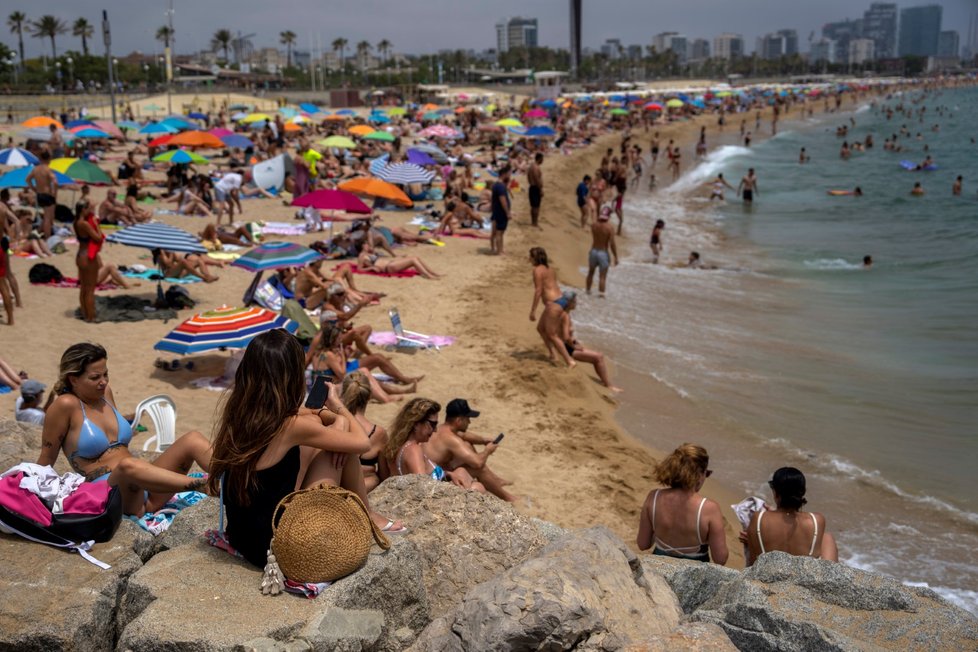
404,455
677,521
356,394
451,447
788,528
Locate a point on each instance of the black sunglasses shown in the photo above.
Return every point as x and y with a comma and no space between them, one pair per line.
432,422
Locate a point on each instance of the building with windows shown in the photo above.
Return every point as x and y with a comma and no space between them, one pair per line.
674,41
861,50
699,50
823,50
842,32
728,46
949,44
612,48
516,33
778,44
920,30
880,24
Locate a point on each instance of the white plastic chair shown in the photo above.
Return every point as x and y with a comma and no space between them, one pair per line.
162,412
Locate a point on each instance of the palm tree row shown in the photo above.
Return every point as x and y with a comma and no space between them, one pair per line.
49,27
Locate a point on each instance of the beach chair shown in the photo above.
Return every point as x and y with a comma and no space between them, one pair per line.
408,339
162,412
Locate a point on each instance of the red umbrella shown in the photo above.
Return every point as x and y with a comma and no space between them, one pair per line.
162,140
333,200
653,106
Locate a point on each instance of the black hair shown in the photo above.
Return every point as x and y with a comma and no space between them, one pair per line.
789,483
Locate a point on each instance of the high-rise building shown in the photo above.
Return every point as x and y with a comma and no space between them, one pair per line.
778,44
728,46
823,50
949,44
575,35
842,32
502,37
674,41
516,33
611,48
699,49
634,52
920,29
880,24
861,50
790,37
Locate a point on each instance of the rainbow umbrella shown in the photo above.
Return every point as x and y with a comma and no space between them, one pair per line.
333,200
222,328
276,255
18,178
180,156
80,170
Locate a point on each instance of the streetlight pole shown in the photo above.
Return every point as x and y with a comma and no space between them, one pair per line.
107,38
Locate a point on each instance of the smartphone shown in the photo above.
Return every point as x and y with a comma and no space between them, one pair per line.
318,393
499,438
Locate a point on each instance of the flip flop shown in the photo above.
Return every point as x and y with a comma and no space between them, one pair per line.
389,528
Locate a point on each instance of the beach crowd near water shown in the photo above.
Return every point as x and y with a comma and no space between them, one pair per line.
376,194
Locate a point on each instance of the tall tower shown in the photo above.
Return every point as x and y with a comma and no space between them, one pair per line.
575,36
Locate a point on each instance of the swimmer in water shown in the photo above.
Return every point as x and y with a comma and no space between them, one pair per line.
867,262
957,186
803,157
857,192
718,184
918,190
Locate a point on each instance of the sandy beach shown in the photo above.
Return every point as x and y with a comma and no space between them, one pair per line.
564,451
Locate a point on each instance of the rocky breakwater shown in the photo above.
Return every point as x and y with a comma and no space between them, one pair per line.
471,574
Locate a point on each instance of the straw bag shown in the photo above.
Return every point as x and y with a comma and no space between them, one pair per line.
321,534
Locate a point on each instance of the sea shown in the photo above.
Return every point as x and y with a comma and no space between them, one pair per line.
792,353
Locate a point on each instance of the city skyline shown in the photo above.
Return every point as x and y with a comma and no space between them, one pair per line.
436,25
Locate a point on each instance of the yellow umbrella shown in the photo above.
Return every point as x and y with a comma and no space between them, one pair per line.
674,103
509,122
361,130
338,141
256,117
397,110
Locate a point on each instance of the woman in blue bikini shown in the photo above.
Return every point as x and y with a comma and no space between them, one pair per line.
85,424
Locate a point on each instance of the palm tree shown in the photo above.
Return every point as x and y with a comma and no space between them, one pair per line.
384,47
363,51
85,30
16,22
339,45
165,35
222,40
48,27
287,39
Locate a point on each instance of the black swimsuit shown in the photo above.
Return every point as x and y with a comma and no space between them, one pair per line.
373,460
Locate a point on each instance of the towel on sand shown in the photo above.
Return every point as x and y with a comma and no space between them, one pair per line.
69,282
183,280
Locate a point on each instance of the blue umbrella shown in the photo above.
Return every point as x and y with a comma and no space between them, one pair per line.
418,157
699,104
79,123
197,115
17,158
178,124
128,124
236,140
91,133
158,128
18,178
157,235
346,112
549,104
309,108
379,118
540,132
276,255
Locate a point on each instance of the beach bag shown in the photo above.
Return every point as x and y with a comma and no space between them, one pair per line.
267,296
319,535
91,514
63,214
42,273
177,297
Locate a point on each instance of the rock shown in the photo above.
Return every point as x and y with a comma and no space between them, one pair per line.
362,611
693,582
584,591
688,637
56,600
465,537
187,528
549,531
785,602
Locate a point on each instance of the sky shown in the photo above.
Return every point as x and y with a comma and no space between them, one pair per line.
425,26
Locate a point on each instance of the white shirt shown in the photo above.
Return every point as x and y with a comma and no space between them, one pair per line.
229,182
29,415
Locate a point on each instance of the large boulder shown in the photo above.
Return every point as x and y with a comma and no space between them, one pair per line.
585,590
784,602
465,537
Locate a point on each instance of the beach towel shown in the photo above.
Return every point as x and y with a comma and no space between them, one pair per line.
68,282
283,228
150,275
224,255
408,273
5,389
389,338
158,522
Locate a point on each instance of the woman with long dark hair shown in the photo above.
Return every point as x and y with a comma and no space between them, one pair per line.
267,444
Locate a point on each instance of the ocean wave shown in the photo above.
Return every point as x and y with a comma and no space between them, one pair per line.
708,168
831,264
963,598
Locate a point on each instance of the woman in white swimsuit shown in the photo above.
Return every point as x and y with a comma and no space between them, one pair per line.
678,521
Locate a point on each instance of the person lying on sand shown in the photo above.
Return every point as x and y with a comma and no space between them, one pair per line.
176,265
369,261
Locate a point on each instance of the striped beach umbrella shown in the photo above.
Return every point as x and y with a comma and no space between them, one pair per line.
16,157
379,164
157,235
18,178
405,174
276,255
80,170
222,328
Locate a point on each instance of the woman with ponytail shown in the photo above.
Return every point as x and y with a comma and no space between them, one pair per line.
355,396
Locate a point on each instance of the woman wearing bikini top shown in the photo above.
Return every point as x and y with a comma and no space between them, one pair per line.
83,421
356,395
412,427
678,521
787,528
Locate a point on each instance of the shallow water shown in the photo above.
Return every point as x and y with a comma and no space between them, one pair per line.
867,380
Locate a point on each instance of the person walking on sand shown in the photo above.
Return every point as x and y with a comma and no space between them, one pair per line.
534,176
501,211
748,186
602,240
583,188
656,241
42,180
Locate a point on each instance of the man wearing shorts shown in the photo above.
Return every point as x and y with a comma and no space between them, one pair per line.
500,211
602,240
583,188
44,183
748,187
534,176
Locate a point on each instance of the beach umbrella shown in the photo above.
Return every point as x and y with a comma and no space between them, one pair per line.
379,163
157,235
724,94
222,328
418,157
380,135
346,112
220,132
336,117
333,200
288,112
157,128
239,107
370,187
619,112
197,139
699,104
540,132
361,130
405,174
536,113
71,124
44,134
152,108
109,128
41,121
379,118
256,117
178,124
17,158
653,106
439,131
299,120
18,178
338,141
397,110
160,141
180,156
431,151
509,122
674,103
309,108
291,126
236,140
197,115
89,132
276,255
239,116
80,170
430,116
128,125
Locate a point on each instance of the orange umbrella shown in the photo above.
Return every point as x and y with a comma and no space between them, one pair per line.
376,188
41,121
361,130
430,107
291,126
197,139
334,117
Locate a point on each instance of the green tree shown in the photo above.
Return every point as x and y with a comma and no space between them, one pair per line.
16,22
287,39
222,41
363,51
339,45
48,27
164,35
84,30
